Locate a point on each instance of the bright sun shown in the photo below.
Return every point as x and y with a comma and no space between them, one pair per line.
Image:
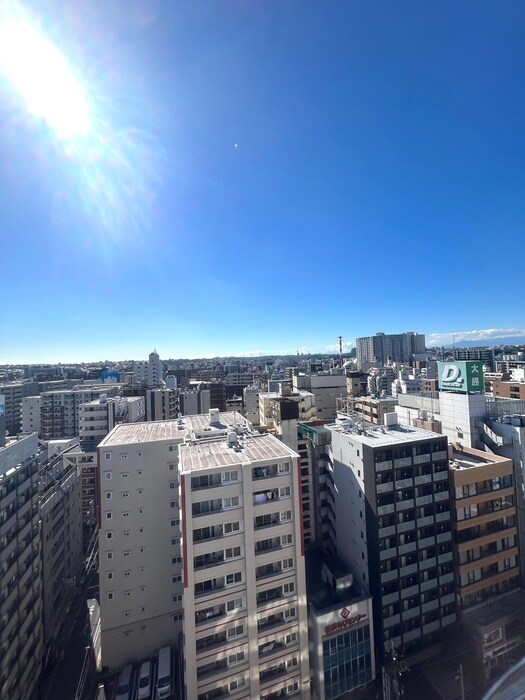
40,74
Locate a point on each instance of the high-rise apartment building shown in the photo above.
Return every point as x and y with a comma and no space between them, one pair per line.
245,624
60,506
149,373
14,392
30,413
384,348
141,590
486,551
59,410
326,387
392,509
21,630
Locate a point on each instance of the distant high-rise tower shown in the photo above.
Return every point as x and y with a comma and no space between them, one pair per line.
382,348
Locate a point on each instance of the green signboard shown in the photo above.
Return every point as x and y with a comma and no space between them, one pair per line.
461,376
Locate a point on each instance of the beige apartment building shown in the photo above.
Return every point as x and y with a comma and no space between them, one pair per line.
245,626
140,565
508,389
484,523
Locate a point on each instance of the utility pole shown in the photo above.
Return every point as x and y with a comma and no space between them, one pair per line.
459,678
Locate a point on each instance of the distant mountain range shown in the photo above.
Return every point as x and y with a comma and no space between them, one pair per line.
489,343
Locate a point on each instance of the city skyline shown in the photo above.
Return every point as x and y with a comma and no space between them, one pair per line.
263,178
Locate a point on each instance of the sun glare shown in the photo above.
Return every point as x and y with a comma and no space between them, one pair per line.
40,74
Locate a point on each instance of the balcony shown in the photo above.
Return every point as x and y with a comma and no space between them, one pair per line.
431,627
402,462
269,648
383,466
261,497
409,591
212,669
423,479
266,472
410,636
411,613
404,483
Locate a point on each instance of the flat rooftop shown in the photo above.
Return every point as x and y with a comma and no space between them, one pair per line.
179,429
320,594
468,458
382,435
252,447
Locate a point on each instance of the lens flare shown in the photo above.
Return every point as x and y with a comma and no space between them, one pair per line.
111,168
40,74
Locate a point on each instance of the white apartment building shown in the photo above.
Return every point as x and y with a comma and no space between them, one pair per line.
31,414
148,373
21,631
245,624
250,396
326,387
141,591
98,417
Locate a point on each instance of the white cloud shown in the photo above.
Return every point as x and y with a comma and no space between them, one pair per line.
478,335
347,346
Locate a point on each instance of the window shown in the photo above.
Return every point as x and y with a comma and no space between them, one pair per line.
107,475
286,516
109,555
230,502
171,467
238,683
108,456
235,631
235,604
233,578
174,523
109,495
109,535
110,596
236,658
231,527
177,617
173,504
175,540
172,448
288,588
284,468
284,492
287,564
230,476
109,575
176,579
173,484
175,560
109,515
286,539
232,552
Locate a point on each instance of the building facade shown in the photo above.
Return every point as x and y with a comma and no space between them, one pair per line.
245,628
21,629
392,507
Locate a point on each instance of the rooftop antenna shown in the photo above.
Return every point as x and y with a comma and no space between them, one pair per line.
341,350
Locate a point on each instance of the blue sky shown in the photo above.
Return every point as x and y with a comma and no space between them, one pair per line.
267,175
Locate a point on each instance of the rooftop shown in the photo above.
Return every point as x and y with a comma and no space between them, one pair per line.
250,447
320,594
382,435
468,457
154,431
